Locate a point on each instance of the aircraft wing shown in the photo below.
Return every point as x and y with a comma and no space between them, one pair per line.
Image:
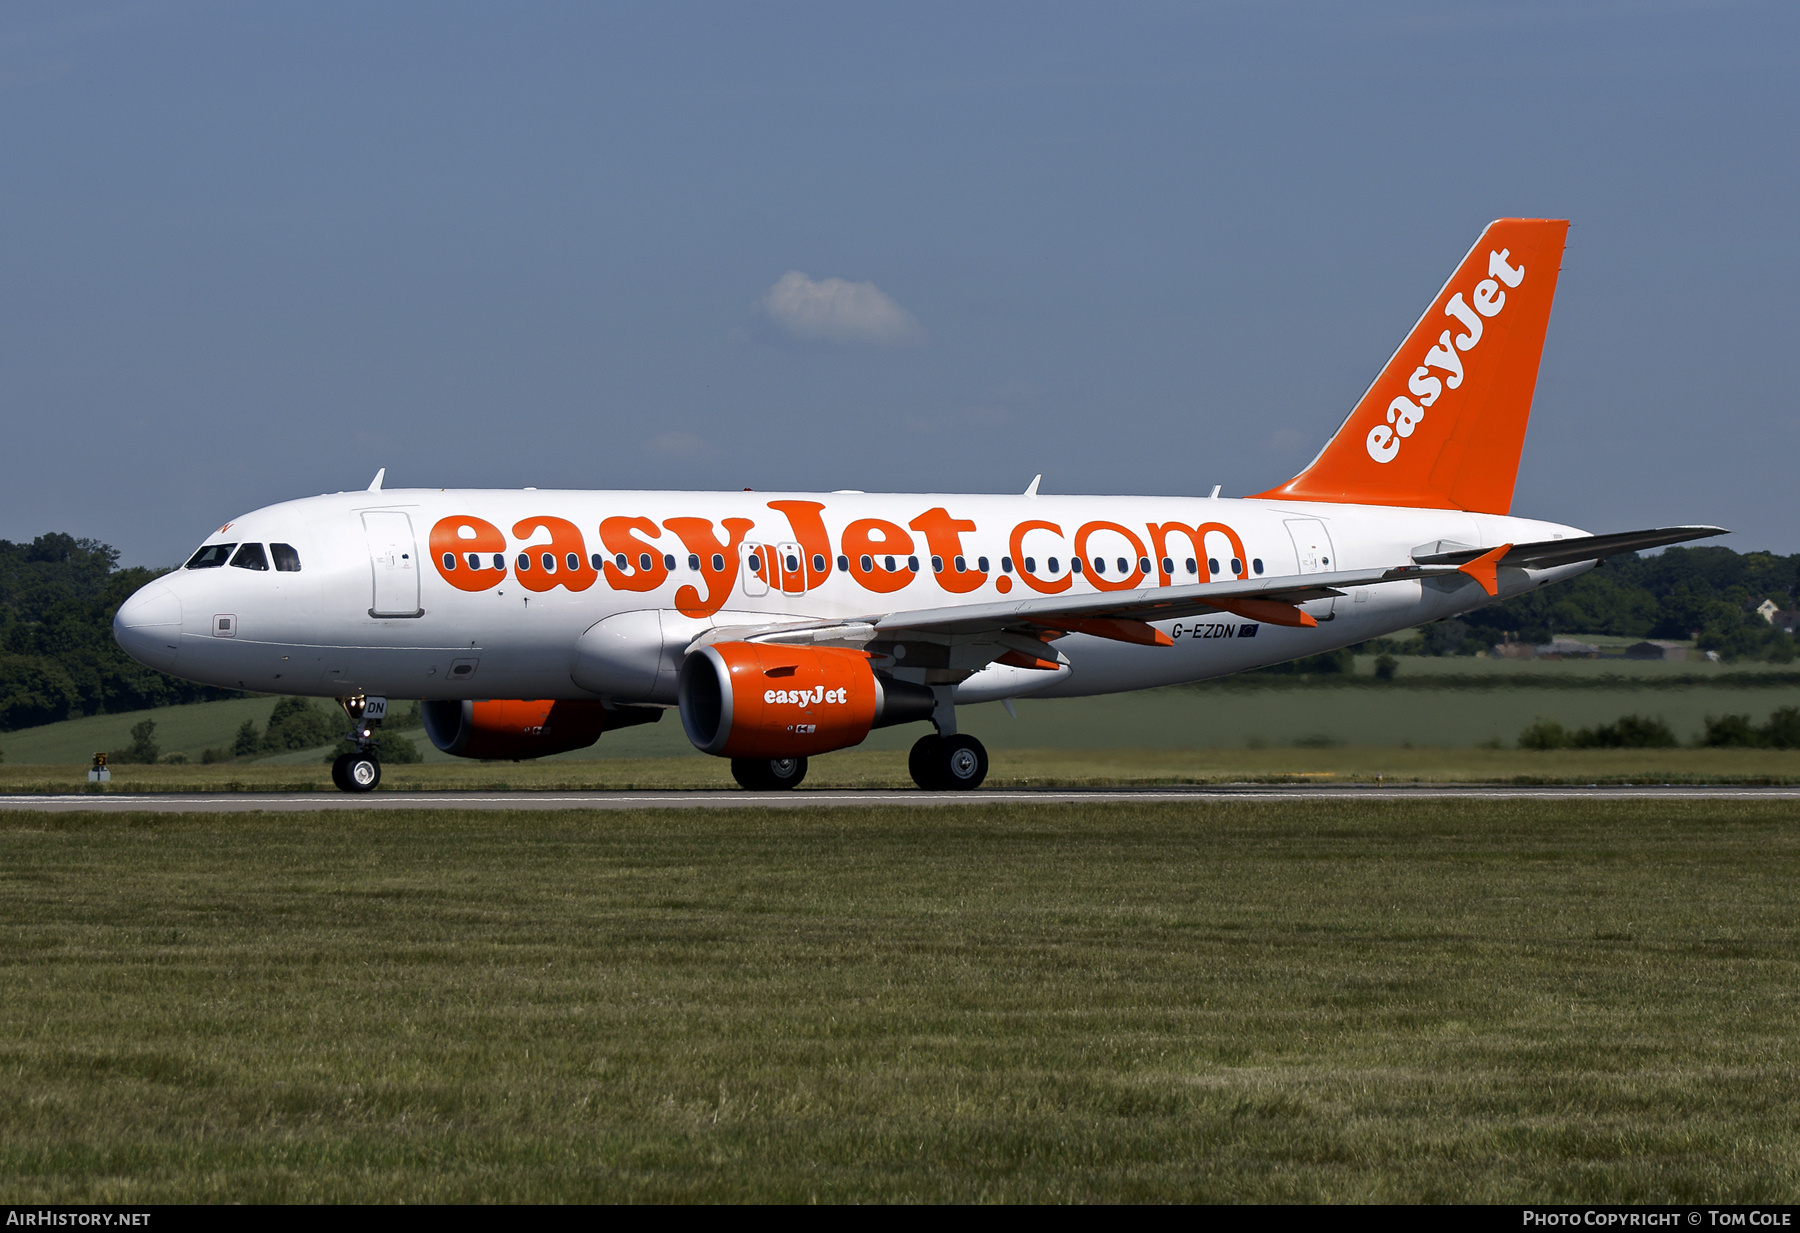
1125,615
1550,552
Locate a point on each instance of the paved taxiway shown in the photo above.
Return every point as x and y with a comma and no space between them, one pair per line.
302,802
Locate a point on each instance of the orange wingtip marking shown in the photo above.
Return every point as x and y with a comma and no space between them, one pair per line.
1269,611
1485,569
1018,659
1116,629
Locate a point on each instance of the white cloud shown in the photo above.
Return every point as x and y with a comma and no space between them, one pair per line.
833,310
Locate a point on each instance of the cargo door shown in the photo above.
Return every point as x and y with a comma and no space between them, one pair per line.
394,562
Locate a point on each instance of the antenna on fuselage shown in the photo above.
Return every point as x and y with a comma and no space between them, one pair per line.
375,484
1032,490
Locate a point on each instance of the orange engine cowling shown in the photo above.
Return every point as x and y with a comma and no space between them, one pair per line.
511,728
764,700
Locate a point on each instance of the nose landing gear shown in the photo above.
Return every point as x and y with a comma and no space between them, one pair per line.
360,770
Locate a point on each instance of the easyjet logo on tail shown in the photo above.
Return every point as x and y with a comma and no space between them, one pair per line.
1403,414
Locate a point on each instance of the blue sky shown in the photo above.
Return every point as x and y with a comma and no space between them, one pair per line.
256,252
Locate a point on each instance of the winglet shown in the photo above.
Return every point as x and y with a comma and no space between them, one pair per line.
1485,569
375,484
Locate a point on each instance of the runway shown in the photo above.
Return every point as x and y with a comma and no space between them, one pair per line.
310,802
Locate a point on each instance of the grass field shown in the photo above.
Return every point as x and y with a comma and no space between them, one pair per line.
1429,1001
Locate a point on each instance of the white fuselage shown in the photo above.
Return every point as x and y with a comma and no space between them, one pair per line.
373,608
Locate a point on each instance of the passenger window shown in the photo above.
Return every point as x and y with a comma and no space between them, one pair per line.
287,561
718,563
474,560
1031,565
962,566
624,562
1212,566
937,565
1006,565
500,562
211,557
1124,566
668,560
754,560
1074,565
818,563
1193,567
596,560
1053,567
1168,565
1237,566
644,561
912,563
1144,564
981,563
1257,565
793,563
867,563
524,561
449,560
1099,565
574,562
549,560
250,556
694,562
844,563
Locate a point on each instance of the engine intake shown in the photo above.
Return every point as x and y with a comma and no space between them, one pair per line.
513,729
765,700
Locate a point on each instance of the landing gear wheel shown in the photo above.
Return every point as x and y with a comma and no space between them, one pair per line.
361,772
338,776
768,774
924,762
962,763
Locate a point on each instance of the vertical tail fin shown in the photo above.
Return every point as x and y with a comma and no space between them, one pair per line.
1443,425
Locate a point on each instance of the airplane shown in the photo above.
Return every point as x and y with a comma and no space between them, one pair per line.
780,626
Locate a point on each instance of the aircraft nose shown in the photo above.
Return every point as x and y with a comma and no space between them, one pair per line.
148,626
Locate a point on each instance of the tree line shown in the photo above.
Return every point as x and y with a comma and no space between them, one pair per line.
58,595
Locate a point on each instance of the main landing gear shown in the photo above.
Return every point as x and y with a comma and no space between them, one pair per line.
948,763
768,774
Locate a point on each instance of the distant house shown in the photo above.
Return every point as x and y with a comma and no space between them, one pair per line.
1767,610
1656,649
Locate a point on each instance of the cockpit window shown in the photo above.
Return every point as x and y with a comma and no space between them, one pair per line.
250,556
287,560
211,557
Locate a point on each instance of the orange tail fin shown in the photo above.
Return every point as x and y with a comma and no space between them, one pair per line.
1443,425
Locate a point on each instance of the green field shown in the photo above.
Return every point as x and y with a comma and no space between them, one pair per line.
1436,703
1449,1001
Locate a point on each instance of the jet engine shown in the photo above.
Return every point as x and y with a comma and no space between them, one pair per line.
765,700
514,729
